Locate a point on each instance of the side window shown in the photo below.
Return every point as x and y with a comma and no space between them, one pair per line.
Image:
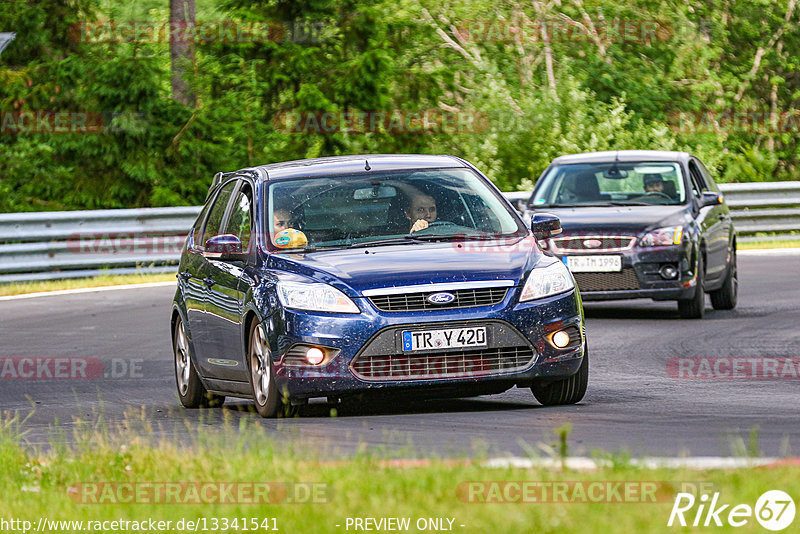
240,221
198,226
217,212
712,186
698,184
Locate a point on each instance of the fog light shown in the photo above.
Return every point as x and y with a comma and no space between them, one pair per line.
669,272
314,356
560,339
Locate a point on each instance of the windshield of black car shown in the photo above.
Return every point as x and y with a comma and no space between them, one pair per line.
390,207
640,183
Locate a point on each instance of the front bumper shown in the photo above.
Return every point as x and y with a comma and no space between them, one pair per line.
351,336
640,276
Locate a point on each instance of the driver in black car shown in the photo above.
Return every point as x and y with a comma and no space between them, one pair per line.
420,211
653,183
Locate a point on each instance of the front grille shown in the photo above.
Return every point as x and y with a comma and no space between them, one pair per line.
578,243
625,279
459,363
464,298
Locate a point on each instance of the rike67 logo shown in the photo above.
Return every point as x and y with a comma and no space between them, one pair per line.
774,510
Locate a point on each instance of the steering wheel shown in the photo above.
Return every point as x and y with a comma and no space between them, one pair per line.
435,224
659,193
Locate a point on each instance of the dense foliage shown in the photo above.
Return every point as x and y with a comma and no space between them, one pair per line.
527,81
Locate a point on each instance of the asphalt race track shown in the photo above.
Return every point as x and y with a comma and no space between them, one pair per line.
632,404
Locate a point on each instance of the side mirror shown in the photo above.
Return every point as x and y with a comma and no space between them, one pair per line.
710,199
224,247
545,225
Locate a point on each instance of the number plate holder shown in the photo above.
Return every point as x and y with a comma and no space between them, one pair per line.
444,339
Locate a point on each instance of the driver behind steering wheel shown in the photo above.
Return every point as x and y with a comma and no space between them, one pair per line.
420,210
653,183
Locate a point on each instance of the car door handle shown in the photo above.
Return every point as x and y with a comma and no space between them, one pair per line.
185,275
208,281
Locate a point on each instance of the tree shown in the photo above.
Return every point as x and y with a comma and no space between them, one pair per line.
181,48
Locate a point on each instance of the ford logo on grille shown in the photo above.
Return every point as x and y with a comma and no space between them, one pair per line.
441,298
592,243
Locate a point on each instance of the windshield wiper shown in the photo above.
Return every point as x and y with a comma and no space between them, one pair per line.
602,204
581,205
313,248
405,240
434,237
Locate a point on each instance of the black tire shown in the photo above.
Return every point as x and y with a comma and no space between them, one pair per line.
191,391
567,391
267,398
725,298
695,307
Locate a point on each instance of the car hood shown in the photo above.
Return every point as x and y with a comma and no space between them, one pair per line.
628,220
355,270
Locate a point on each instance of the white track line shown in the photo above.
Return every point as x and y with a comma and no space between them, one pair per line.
769,252
581,463
86,290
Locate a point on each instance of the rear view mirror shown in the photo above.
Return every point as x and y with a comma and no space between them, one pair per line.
615,174
545,225
376,192
224,247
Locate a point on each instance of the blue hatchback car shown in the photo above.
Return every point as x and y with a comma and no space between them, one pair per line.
371,275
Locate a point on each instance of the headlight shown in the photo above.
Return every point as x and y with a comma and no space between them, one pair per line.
315,297
546,281
671,235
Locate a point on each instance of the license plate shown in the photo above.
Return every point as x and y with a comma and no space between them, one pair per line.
594,264
451,338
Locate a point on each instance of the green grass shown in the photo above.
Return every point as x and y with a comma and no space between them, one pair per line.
783,243
75,283
36,484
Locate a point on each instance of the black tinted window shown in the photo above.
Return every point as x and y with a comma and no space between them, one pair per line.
698,183
710,183
198,226
214,222
240,221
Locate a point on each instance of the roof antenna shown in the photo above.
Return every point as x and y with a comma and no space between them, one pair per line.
366,165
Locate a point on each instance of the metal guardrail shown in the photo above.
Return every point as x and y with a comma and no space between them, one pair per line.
72,244
53,245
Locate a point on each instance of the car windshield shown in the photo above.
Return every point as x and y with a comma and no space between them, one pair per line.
612,184
386,208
